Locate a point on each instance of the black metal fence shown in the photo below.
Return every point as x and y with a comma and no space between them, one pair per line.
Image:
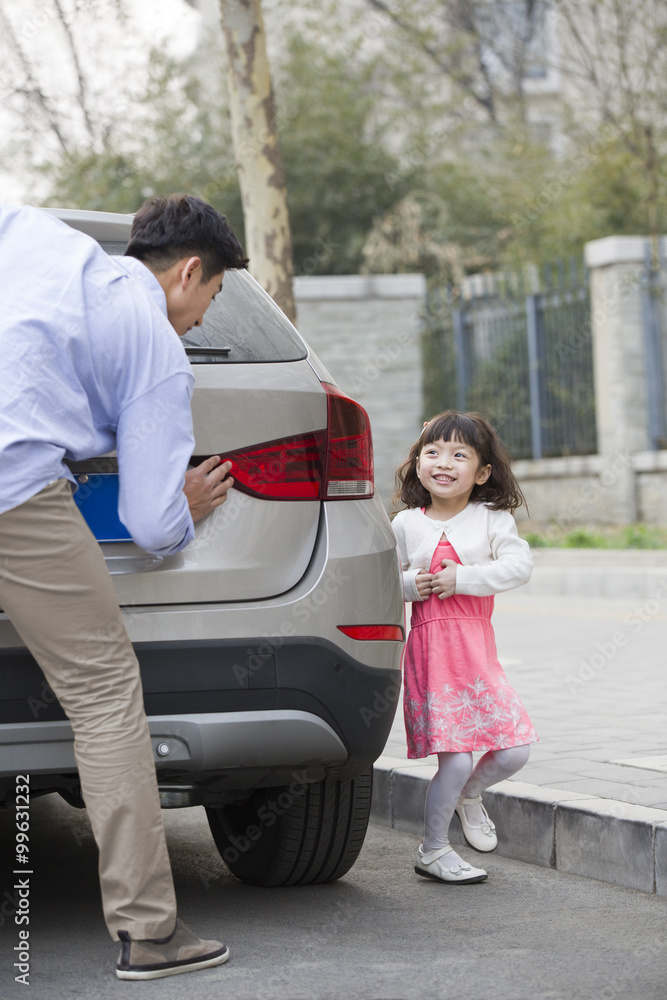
520,354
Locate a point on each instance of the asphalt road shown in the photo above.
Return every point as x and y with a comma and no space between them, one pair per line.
381,933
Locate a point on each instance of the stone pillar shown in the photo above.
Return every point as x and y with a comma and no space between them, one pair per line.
366,331
617,270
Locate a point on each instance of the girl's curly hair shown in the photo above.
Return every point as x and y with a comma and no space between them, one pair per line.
501,491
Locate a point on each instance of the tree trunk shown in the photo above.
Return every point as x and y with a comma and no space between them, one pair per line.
256,148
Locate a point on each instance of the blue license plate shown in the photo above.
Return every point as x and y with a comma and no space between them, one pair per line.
97,499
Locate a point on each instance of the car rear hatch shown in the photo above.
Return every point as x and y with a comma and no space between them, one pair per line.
293,442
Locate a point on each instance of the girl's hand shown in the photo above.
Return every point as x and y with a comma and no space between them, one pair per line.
423,583
444,583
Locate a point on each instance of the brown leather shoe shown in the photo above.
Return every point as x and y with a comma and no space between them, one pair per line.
182,951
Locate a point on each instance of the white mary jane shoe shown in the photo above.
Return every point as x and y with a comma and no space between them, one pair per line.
481,836
430,866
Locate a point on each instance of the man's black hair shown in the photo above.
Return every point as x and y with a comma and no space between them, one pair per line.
165,230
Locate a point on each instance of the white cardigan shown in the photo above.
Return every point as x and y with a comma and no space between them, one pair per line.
486,541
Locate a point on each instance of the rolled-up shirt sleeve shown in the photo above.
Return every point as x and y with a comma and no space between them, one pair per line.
155,442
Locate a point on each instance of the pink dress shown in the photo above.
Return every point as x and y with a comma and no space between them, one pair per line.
456,694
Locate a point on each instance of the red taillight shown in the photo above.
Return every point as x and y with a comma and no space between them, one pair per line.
374,632
335,463
287,469
349,469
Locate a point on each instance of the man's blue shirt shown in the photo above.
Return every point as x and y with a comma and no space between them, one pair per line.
89,362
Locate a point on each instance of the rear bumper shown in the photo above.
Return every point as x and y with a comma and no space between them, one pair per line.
229,713
188,743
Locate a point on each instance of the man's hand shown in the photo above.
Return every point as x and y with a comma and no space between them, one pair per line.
444,583
423,583
204,486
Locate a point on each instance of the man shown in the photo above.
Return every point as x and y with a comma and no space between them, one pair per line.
89,350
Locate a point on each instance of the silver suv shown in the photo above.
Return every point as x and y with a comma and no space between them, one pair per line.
270,647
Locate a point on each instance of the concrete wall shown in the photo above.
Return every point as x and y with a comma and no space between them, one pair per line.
366,331
566,493
627,480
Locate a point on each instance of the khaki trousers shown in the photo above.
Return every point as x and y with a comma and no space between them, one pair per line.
57,592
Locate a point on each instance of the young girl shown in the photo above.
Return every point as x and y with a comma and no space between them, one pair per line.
459,546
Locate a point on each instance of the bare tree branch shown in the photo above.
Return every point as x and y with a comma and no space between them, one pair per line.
446,67
483,48
619,49
33,92
83,100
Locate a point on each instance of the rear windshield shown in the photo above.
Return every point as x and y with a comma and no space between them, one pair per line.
243,324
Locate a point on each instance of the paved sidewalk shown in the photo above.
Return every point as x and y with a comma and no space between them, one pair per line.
625,574
592,672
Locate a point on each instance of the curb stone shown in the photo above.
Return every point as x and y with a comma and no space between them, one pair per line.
636,574
604,839
634,584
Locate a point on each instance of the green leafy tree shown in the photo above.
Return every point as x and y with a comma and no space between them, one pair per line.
618,54
480,53
173,143
401,149
340,175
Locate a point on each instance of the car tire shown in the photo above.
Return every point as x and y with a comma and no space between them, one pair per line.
294,835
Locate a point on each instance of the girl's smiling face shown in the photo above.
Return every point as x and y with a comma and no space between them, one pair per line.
449,471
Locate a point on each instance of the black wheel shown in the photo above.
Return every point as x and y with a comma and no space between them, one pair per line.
295,835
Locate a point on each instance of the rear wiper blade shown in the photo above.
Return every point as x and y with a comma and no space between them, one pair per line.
207,350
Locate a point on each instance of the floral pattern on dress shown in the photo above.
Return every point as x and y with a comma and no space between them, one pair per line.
473,718
457,697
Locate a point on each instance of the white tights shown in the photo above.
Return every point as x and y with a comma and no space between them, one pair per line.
455,777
